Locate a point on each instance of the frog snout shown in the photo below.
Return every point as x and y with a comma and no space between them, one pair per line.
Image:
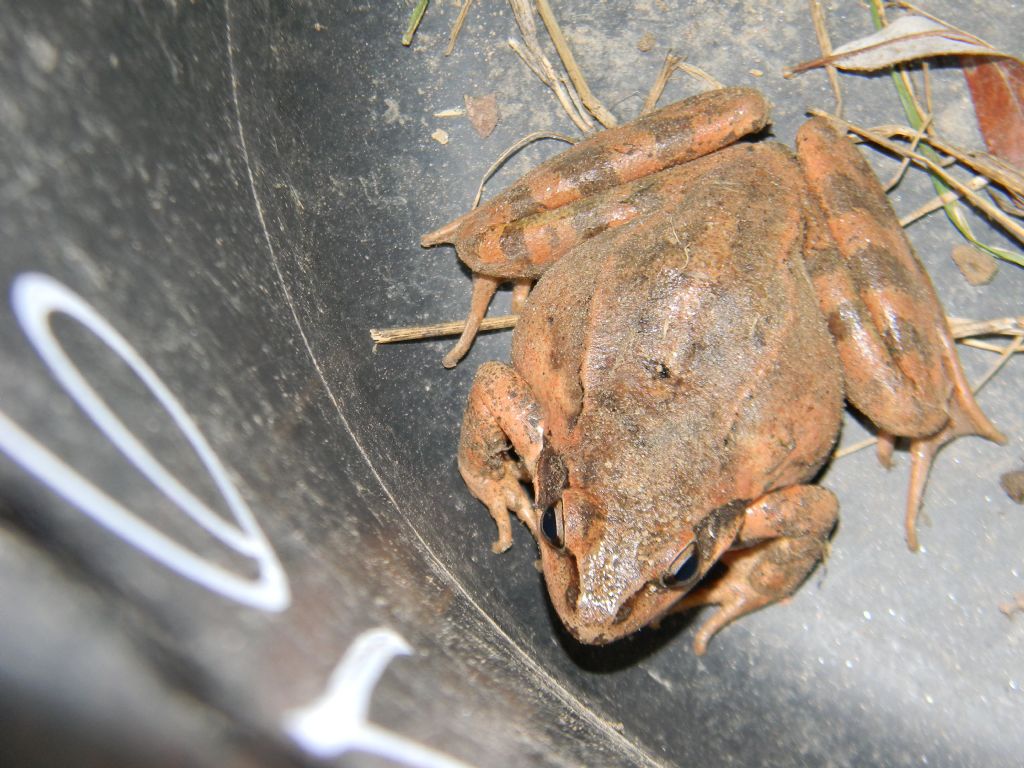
594,608
598,613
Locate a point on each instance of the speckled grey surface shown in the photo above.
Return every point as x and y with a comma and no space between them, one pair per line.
239,189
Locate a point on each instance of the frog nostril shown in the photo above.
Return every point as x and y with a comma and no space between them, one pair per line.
625,610
572,595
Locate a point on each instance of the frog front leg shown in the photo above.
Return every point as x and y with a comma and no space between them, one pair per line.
783,537
501,414
899,362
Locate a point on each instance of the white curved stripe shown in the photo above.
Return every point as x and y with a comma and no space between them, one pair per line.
336,722
35,297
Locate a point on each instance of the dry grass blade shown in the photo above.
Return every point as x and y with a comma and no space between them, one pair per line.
825,44
457,26
533,56
962,328
667,68
699,74
590,101
438,330
905,162
989,166
672,65
939,201
1009,351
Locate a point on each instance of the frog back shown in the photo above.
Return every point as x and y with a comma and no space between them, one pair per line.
684,353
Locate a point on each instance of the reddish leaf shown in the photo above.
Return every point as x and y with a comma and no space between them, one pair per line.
997,88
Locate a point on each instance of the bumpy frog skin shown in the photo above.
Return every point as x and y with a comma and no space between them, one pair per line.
703,307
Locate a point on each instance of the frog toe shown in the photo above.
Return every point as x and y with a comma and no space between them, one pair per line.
733,601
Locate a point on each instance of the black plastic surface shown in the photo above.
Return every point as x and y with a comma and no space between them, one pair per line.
237,190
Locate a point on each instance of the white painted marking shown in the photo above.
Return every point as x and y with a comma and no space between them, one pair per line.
35,298
336,722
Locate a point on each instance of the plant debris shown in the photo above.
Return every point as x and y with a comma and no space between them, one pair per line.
483,113
997,90
457,27
532,54
414,21
440,136
978,267
1013,484
908,38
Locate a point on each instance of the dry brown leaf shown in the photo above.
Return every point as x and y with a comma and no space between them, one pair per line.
997,89
908,38
483,113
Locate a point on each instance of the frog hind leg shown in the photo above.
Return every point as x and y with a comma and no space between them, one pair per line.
784,536
898,358
501,414
519,232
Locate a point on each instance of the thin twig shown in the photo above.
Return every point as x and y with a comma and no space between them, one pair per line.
983,345
526,140
997,171
533,56
457,26
818,17
667,68
1015,346
590,101
939,201
963,328
960,328
905,162
419,332
842,452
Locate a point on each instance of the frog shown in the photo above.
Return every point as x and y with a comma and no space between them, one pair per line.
695,306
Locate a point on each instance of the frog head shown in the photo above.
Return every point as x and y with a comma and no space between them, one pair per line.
611,570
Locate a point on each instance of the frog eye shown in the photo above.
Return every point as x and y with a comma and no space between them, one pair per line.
553,526
684,568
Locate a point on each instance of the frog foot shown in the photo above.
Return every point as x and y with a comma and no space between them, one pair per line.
504,495
965,419
733,594
784,536
501,415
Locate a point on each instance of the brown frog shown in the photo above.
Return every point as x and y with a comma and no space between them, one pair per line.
704,306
